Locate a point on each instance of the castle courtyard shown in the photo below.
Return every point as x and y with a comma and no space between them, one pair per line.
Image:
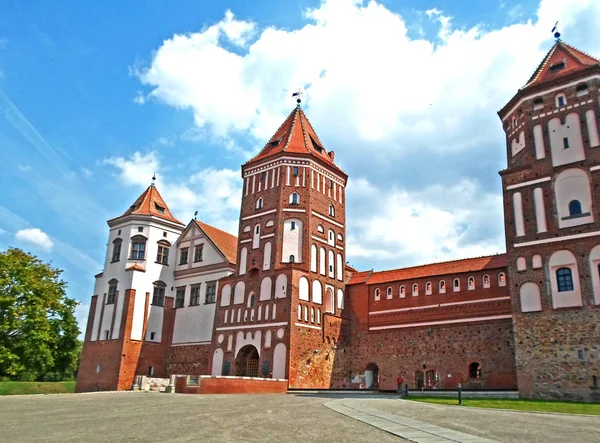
154,417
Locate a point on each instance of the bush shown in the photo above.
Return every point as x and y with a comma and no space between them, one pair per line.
27,376
53,376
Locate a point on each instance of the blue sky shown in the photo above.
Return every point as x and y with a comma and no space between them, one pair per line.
95,97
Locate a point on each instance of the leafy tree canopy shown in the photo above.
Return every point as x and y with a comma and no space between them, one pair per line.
38,328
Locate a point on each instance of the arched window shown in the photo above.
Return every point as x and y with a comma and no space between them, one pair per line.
162,256
299,312
377,294
575,207
294,199
486,281
415,290
475,370
501,279
331,264
521,264
564,279
305,313
428,288
331,211
442,287
456,285
313,258
158,295
340,237
321,229
138,247
319,316
529,295
331,238
267,256
471,283
312,315
116,255
259,203
402,291
389,292
112,291
243,260
251,300
322,260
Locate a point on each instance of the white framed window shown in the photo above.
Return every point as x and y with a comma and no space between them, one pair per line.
402,291
259,203
456,285
486,281
501,279
377,294
294,199
561,100
442,287
415,290
321,229
389,292
428,289
471,283
331,211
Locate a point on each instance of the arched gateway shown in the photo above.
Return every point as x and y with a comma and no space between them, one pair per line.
246,362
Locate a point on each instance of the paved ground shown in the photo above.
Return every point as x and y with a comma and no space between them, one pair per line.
153,417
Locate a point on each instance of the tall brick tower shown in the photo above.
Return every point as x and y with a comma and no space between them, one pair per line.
280,315
552,223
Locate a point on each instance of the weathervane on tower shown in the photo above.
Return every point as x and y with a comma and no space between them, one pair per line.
556,33
298,96
153,178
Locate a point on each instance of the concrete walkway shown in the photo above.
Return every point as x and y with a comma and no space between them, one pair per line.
404,427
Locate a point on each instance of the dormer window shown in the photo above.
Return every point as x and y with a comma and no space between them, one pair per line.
317,147
561,100
555,67
159,208
275,143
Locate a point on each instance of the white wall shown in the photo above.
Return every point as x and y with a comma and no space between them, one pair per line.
279,361
292,241
570,129
265,289
529,294
573,184
538,137
590,118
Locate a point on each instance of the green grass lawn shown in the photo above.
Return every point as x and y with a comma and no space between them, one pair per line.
33,387
518,405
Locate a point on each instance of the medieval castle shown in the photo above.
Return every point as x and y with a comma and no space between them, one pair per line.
279,302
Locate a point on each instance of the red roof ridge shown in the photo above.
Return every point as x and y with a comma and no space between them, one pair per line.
224,241
577,53
291,131
441,262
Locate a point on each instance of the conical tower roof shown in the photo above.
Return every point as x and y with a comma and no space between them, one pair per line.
295,136
150,203
561,61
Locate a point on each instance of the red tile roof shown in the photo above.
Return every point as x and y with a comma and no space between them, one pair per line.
151,203
575,61
226,242
444,268
295,136
359,277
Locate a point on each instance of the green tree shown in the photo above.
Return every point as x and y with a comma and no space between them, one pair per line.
38,329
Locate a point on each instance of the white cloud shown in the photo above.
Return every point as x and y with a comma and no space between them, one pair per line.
81,314
24,168
87,173
395,227
214,193
35,237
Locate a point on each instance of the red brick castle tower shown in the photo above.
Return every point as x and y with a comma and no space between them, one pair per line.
280,315
552,225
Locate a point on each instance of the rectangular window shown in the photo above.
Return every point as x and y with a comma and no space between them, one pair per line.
158,297
138,250
116,256
198,253
140,229
263,175
566,143
193,380
162,256
179,297
106,334
564,280
195,296
211,293
293,226
330,184
295,171
112,292
561,101
152,335
150,371
183,256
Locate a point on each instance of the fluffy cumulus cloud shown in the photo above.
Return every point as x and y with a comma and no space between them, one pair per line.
214,193
35,237
419,110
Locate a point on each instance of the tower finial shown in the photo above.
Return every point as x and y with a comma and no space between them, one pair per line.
153,179
298,96
196,215
556,33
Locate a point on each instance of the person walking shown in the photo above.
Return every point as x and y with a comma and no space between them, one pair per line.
400,383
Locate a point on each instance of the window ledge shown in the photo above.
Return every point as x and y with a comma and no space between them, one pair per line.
159,263
181,264
160,306
115,261
136,259
571,217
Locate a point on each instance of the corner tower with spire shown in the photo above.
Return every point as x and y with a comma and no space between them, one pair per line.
552,224
280,316
130,320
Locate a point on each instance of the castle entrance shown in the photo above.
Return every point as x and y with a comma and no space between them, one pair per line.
372,376
246,362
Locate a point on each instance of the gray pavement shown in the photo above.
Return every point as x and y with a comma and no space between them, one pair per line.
154,417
